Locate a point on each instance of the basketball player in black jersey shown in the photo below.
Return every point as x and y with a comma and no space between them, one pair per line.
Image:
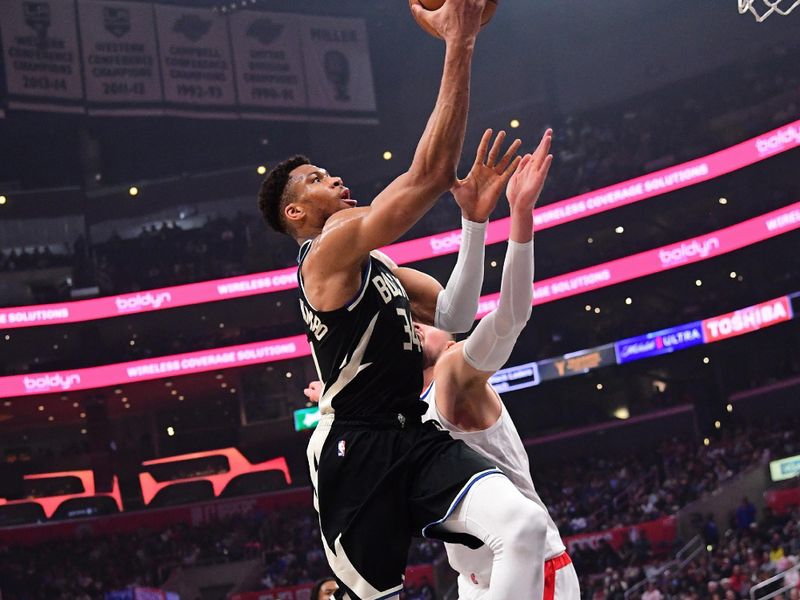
379,474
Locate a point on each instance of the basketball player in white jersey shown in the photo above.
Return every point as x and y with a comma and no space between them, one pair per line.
459,396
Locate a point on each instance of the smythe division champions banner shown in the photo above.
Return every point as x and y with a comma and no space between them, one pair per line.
118,57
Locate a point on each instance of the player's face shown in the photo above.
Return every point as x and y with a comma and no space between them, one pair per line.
327,590
434,343
316,195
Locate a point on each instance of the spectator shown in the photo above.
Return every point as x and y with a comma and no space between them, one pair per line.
323,589
745,514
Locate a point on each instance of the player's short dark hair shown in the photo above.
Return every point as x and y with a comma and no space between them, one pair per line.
272,197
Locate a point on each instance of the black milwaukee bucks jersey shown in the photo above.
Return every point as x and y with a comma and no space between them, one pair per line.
367,354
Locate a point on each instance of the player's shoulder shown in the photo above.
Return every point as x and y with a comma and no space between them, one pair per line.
383,259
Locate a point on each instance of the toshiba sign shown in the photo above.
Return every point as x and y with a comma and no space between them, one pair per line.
748,319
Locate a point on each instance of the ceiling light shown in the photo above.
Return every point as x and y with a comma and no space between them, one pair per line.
83,415
387,155
717,424
723,200
588,307
261,170
706,441
622,413
599,386
597,310
133,190
514,123
3,199
628,301
706,360
493,263
698,282
288,374
733,274
170,431
729,408
590,240
41,407
620,229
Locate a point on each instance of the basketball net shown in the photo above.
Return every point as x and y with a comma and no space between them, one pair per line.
767,7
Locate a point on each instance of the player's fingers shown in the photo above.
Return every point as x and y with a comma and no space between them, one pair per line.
542,150
509,155
480,155
524,162
512,168
548,161
495,150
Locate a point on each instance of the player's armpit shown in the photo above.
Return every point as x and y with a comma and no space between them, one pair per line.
463,394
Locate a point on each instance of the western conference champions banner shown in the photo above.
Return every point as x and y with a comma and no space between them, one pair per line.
41,55
119,57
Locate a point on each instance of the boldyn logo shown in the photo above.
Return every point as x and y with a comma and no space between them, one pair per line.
779,141
142,301
52,381
447,243
686,251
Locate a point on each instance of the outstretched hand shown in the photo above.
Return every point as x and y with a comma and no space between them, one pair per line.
313,391
455,20
478,192
526,184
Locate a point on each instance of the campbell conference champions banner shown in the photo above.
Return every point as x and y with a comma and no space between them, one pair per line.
118,57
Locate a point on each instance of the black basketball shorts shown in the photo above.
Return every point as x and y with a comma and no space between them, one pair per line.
377,484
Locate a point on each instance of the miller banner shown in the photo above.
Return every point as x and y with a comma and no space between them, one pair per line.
116,57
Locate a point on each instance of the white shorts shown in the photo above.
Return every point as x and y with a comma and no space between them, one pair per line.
560,582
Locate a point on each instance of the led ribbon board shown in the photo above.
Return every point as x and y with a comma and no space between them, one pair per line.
617,271
660,182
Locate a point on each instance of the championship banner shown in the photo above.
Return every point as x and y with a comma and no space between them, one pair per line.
120,56
268,58
196,64
41,55
337,65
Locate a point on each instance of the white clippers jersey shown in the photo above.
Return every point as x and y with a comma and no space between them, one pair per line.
502,444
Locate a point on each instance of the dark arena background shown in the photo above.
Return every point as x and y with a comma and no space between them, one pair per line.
152,358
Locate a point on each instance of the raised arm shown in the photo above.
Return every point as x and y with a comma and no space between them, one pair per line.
349,235
463,394
453,307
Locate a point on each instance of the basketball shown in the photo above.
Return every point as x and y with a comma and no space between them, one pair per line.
488,12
